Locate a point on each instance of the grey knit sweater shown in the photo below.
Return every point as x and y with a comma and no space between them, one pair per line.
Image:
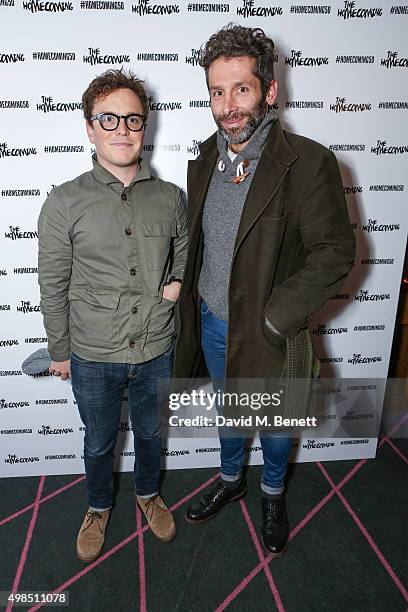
222,213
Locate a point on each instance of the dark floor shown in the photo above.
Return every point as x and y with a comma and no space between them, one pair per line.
348,548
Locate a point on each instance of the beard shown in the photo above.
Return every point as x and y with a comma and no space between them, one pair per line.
239,135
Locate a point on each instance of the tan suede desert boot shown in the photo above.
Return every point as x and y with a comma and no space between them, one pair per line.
92,535
159,517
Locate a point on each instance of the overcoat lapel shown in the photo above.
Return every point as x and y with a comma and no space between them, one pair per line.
271,170
199,175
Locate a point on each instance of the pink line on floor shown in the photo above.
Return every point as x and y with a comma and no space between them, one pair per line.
42,500
261,556
310,515
121,544
244,583
142,571
92,565
397,450
368,537
27,542
351,473
393,430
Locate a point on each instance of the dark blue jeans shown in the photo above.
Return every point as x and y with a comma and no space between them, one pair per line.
275,446
98,389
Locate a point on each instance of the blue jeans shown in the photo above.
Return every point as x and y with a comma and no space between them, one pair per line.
275,446
98,389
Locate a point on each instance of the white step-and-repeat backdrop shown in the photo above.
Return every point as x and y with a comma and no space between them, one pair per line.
342,69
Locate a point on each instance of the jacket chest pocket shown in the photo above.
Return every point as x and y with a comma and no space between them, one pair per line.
93,317
157,243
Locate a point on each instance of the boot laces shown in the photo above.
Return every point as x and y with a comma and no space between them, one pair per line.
93,515
274,511
151,503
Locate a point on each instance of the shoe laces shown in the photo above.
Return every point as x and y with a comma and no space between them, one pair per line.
218,488
151,503
92,515
273,509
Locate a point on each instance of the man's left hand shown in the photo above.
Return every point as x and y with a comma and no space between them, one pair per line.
171,291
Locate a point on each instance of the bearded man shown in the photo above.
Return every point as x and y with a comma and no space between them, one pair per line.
269,242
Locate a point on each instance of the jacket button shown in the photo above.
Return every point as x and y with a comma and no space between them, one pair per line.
123,197
128,231
132,344
133,271
134,310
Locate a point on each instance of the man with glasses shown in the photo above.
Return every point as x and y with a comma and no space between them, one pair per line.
112,249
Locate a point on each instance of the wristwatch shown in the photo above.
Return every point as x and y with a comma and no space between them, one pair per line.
172,279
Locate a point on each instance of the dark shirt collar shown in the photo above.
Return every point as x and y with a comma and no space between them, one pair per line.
104,176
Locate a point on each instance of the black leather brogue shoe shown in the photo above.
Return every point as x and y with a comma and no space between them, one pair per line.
275,528
211,502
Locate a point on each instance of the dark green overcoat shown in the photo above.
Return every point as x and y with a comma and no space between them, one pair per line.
293,250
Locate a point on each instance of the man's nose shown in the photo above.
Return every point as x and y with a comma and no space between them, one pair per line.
122,127
230,104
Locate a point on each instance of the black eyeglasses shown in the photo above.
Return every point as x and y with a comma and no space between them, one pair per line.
110,121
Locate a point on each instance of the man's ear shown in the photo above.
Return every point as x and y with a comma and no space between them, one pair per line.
272,93
90,131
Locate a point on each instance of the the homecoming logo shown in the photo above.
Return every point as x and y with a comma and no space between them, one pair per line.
296,59
350,11
313,444
49,7
381,149
365,296
374,226
194,149
12,342
16,152
47,105
47,431
4,404
352,189
248,9
350,416
16,233
163,106
341,106
143,7
27,307
194,58
393,61
12,459
321,330
175,453
96,57
11,58
357,358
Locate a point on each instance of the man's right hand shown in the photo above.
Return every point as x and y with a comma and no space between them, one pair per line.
61,368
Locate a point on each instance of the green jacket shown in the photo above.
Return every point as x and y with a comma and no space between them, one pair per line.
105,251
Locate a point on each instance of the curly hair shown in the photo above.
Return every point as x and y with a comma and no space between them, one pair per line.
110,81
233,41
